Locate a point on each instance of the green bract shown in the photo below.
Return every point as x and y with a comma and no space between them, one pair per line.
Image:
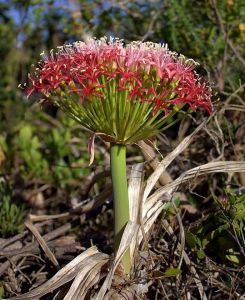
115,118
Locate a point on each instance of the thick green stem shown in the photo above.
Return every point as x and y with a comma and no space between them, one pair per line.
120,193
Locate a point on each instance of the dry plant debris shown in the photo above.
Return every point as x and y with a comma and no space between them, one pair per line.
95,275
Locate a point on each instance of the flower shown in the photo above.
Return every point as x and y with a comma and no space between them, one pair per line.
125,93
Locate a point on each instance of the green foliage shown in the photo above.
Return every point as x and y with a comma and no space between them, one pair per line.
170,272
1,292
201,29
34,164
48,153
221,235
43,149
11,215
171,207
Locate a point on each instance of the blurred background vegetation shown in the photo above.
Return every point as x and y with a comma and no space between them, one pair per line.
43,151
43,154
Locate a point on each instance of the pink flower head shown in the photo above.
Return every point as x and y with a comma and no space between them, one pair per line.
99,70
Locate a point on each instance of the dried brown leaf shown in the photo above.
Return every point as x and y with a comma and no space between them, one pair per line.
88,276
63,276
42,243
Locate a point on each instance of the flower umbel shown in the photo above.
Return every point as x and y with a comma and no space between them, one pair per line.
127,93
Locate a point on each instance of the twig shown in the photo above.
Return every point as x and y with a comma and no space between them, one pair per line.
42,243
222,28
199,285
32,246
151,157
150,31
19,236
240,89
182,234
90,204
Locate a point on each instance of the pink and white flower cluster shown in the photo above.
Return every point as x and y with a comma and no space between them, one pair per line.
149,72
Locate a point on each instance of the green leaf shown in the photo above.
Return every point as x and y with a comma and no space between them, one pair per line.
191,239
233,258
157,273
172,272
3,144
1,292
35,142
201,254
25,136
240,211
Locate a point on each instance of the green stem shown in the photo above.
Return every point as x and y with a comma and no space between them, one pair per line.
120,193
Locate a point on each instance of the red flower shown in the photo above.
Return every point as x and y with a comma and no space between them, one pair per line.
148,71
121,92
